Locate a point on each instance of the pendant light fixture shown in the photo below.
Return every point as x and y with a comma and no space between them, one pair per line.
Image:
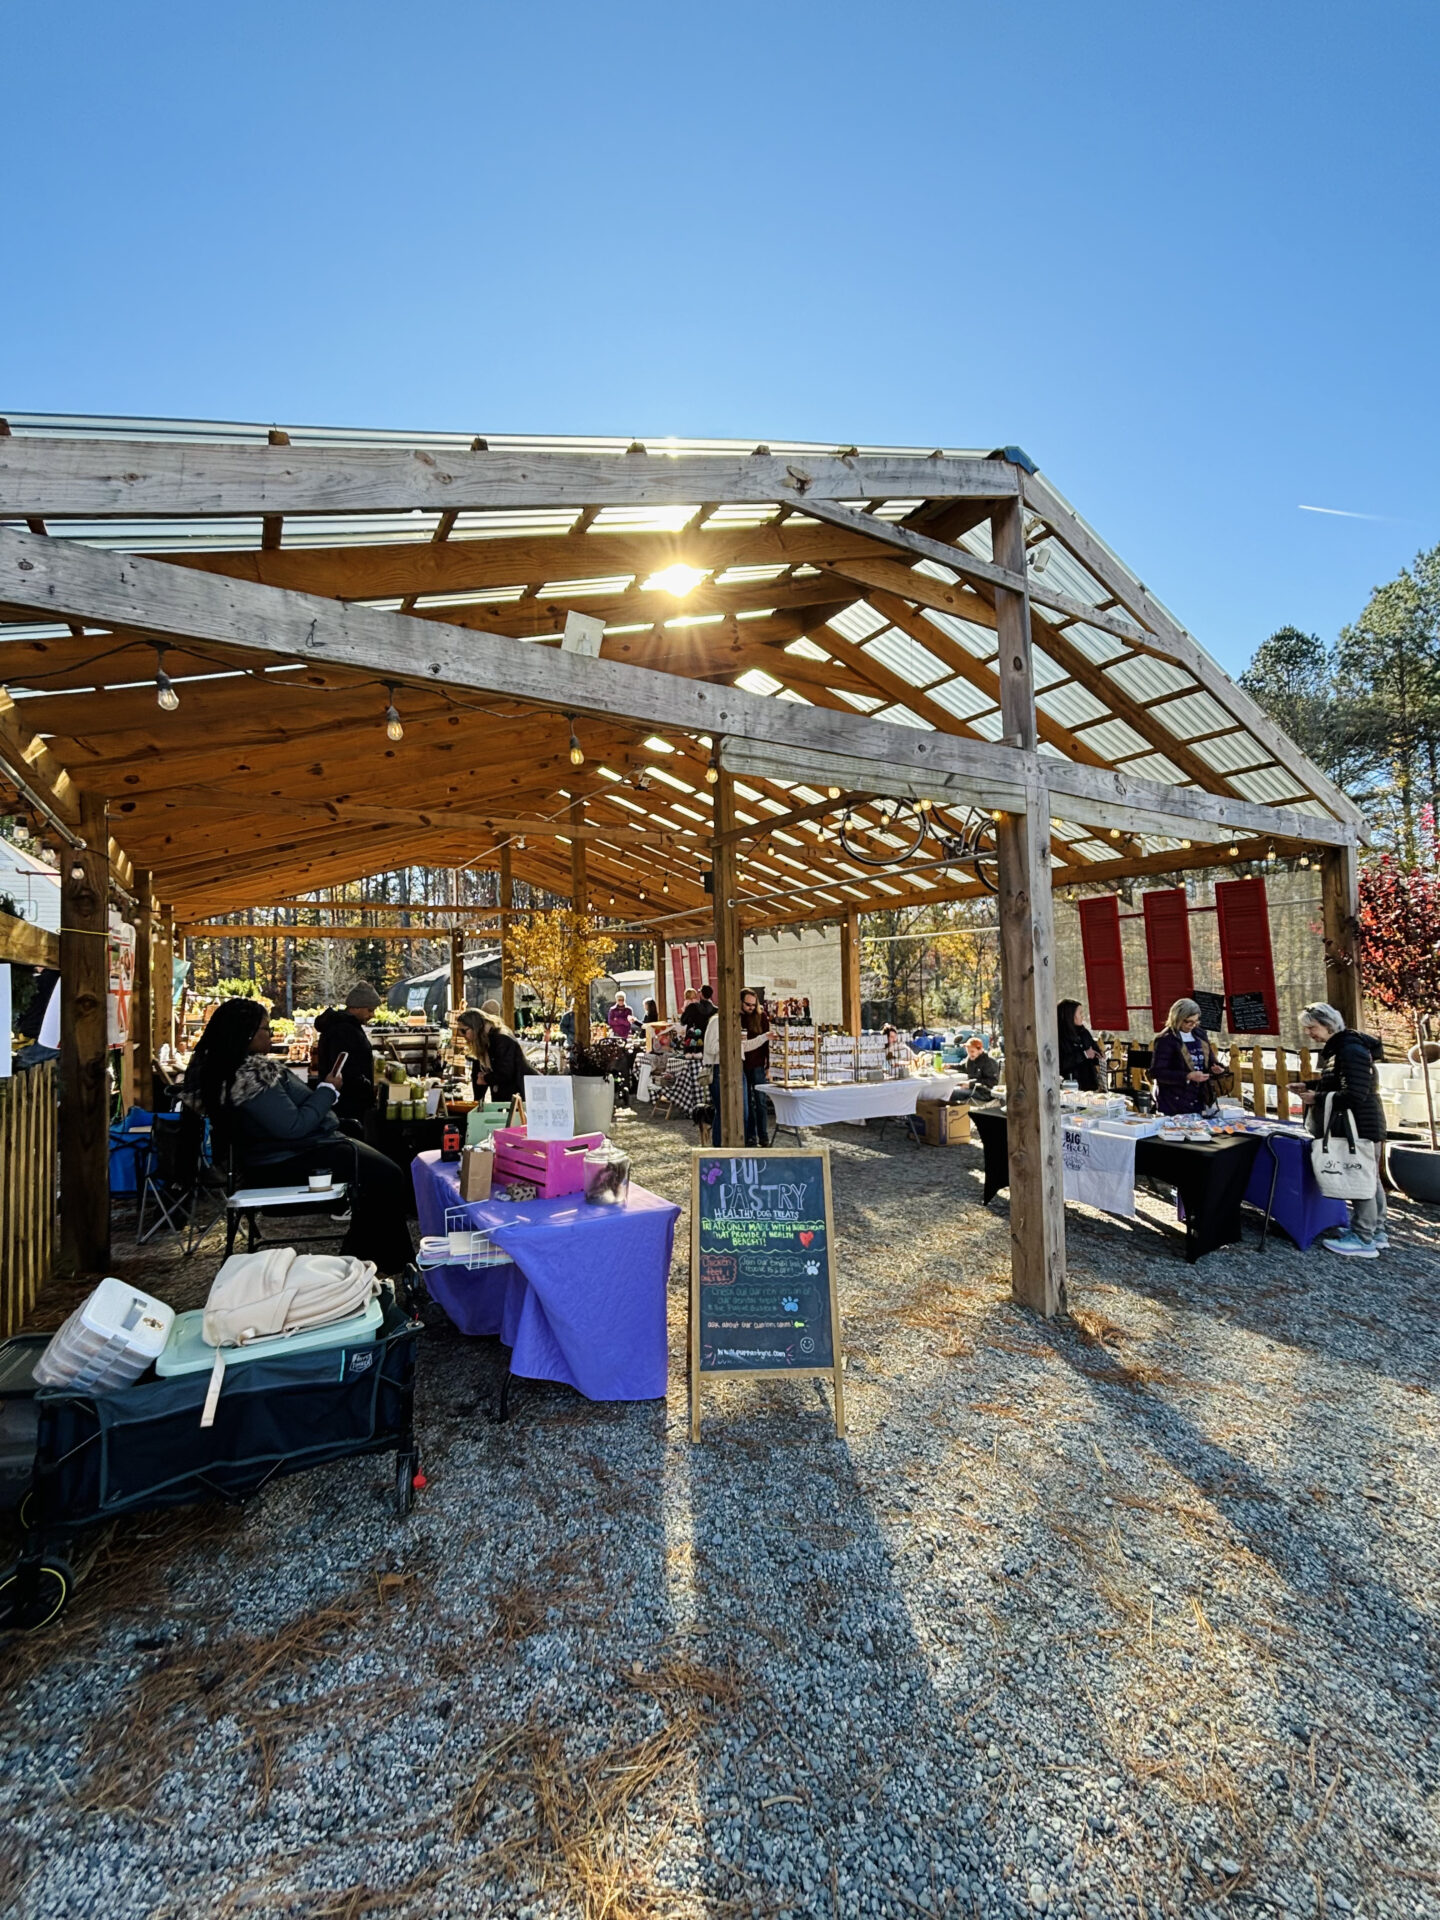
165,694
393,728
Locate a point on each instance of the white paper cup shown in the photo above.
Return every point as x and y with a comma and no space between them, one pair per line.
321,1182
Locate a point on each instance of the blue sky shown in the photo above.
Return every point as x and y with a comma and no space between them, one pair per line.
1185,256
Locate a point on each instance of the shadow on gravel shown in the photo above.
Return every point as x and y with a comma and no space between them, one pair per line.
843,1785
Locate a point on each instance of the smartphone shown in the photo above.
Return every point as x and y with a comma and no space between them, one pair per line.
339,1066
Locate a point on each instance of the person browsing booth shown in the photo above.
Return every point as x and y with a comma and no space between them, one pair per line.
342,1031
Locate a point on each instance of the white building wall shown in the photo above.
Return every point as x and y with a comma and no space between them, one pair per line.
34,887
805,962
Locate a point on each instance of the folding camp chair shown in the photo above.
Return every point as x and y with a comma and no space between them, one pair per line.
179,1181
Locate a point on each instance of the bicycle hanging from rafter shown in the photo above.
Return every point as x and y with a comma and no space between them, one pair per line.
904,826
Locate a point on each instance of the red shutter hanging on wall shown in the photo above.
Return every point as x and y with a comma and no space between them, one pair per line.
1107,1005
1246,957
1167,950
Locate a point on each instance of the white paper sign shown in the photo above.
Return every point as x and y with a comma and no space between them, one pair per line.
1099,1169
549,1106
7,1064
122,979
583,634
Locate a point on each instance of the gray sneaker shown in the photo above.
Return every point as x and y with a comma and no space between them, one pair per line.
1351,1244
1381,1240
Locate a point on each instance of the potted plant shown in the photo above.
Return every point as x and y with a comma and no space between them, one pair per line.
595,1068
1400,946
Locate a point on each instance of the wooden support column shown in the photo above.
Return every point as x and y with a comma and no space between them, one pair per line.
142,1007
580,903
662,997
162,985
507,903
457,971
729,980
1340,909
850,972
84,993
1027,963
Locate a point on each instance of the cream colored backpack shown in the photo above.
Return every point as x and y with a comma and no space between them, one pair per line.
277,1290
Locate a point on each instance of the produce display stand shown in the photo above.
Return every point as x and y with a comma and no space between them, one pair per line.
142,1448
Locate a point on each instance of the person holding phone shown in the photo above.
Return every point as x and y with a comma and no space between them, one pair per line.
276,1131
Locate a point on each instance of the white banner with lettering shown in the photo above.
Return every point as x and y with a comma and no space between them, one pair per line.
1099,1169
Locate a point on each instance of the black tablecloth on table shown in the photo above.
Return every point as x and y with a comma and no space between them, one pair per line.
1210,1179
401,1140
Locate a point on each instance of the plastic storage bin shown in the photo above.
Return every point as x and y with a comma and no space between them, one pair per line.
109,1340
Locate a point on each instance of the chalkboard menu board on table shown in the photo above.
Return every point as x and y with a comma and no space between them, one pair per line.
762,1277
1212,1009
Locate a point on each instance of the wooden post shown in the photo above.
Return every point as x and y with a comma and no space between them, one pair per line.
1257,1080
457,971
162,992
507,902
1027,962
142,1007
1340,909
728,969
580,903
84,996
850,973
662,998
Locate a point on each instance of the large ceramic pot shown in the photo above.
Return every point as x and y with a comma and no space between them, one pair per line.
1416,1171
594,1102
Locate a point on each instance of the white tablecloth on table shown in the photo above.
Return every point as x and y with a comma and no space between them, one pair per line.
939,1086
1099,1169
858,1100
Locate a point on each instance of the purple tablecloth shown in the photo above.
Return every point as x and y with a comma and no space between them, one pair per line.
583,1300
1300,1208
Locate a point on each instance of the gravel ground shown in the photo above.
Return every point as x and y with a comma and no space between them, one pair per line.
1129,1614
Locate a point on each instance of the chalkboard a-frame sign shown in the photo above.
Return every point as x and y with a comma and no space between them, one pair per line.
762,1274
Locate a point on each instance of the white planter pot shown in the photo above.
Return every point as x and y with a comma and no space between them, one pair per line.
594,1103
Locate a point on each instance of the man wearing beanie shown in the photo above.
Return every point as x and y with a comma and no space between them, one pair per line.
342,1030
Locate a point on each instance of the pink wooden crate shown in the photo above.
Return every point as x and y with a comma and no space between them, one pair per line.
556,1166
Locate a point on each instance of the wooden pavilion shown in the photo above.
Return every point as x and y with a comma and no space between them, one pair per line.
789,632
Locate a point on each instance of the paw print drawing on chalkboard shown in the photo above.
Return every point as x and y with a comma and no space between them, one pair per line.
789,1306
812,1266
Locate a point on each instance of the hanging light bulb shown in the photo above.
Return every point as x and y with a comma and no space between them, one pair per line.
1270,856
833,792
577,752
165,694
712,772
393,728
1234,853
1184,843
666,887
1304,859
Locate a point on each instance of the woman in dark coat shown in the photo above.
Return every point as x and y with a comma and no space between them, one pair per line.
1079,1049
497,1060
280,1131
1185,1067
1350,1084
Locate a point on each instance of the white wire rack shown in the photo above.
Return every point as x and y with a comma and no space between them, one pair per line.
474,1244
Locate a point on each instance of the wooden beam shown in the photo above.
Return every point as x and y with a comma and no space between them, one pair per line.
850,972
1072,534
1340,910
84,1008
1027,964
142,1016
26,945
132,479
162,1031
729,957
56,576
580,903
507,905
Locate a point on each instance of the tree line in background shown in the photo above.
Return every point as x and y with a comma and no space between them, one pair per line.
1366,709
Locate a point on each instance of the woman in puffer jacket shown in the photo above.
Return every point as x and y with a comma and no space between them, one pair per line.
1350,1085
280,1131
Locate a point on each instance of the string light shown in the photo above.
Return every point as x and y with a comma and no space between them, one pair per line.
1270,856
393,728
666,887
165,694
1234,853
577,752
1184,843
712,772
833,792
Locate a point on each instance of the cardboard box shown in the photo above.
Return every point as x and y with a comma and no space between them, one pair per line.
477,1169
945,1126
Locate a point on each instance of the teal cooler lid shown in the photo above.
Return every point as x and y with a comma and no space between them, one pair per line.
186,1351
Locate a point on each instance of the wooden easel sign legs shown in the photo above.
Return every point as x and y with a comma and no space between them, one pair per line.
762,1275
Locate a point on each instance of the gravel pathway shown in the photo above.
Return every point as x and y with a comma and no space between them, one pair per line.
1127,1615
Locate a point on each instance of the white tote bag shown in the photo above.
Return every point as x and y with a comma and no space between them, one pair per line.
1344,1167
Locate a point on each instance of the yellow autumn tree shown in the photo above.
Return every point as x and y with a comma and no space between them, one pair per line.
557,953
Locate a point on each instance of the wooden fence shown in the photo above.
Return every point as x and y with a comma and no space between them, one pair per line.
1263,1075
28,1149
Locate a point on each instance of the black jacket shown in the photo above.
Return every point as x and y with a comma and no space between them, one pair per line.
1073,1064
982,1068
274,1116
508,1068
1347,1069
340,1032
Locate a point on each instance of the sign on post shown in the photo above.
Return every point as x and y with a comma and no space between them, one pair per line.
762,1276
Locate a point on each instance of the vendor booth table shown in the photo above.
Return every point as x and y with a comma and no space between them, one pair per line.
581,1297
797,1107
1283,1186
1211,1180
